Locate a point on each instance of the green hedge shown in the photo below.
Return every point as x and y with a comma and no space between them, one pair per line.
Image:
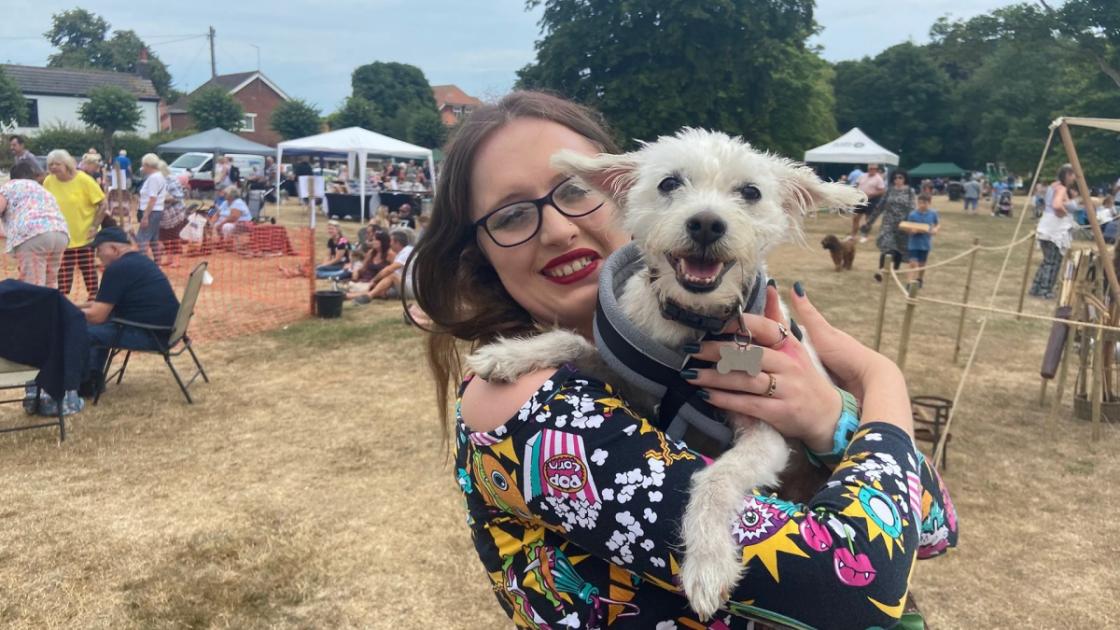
77,140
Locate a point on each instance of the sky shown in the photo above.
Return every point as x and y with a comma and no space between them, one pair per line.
311,50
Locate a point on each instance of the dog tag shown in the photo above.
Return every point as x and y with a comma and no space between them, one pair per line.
740,359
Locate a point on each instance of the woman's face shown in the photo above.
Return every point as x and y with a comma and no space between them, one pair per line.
555,274
58,169
899,181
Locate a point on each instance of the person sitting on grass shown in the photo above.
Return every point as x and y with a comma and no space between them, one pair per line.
338,260
921,243
132,288
377,258
389,283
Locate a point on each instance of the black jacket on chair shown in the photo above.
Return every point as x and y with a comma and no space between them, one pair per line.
39,327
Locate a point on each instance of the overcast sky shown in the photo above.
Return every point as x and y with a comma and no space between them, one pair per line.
476,45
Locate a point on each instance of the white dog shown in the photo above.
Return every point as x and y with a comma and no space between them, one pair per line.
704,208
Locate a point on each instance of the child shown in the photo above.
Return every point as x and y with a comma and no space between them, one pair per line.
920,243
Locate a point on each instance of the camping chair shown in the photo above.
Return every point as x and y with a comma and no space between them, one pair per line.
16,376
177,340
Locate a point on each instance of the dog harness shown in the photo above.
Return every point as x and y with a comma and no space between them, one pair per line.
648,365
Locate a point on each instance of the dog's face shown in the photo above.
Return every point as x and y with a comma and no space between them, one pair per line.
830,242
705,208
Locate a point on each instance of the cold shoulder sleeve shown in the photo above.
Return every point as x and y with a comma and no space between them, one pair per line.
577,462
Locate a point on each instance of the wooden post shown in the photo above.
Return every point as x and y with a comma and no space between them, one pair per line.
1042,394
882,308
907,321
964,300
1091,211
1098,376
1026,272
1063,369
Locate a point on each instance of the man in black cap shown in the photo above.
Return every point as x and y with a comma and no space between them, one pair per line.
132,288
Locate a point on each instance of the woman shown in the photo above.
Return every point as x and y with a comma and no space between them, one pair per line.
34,227
896,204
376,259
153,194
80,199
1054,233
173,219
91,165
574,502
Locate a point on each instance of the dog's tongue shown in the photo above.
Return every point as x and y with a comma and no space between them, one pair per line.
700,268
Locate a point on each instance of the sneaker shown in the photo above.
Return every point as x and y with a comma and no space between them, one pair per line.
847,238
363,299
863,239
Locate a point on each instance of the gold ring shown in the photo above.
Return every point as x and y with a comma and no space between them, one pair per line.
782,334
773,386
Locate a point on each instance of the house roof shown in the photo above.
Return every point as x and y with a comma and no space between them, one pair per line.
76,82
452,95
232,83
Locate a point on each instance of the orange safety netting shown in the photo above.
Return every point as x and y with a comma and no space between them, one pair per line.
260,279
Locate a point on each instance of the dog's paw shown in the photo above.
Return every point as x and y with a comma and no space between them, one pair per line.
498,362
505,360
709,573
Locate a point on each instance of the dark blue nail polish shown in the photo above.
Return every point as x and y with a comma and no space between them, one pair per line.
703,394
798,289
772,283
690,348
689,374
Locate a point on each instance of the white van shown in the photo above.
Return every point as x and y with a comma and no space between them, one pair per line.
201,166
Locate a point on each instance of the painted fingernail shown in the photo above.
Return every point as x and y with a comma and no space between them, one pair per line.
690,348
772,283
703,394
689,374
798,289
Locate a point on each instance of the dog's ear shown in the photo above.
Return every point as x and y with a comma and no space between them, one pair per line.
803,191
610,174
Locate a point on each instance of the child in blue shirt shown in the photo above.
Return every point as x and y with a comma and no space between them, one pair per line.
920,243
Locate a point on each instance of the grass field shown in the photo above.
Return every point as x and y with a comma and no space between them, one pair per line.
306,488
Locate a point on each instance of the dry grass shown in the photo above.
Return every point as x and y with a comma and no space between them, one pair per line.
307,488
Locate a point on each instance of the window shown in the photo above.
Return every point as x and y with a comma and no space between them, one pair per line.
32,112
249,123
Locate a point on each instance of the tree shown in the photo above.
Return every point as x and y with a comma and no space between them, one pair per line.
393,87
357,112
295,119
652,66
82,41
110,109
900,98
214,107
1093,26
13,107
426,129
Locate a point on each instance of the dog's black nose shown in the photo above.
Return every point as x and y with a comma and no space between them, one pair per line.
705,227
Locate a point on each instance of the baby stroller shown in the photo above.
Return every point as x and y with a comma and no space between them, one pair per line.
1003,204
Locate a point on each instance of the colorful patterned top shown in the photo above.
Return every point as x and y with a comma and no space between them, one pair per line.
31,211
574,506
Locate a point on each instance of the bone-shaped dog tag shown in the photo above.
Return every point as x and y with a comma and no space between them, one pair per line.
740,359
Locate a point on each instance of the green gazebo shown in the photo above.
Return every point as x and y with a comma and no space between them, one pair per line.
936,169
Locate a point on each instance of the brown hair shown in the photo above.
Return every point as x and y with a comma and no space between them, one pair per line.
925,197
453,282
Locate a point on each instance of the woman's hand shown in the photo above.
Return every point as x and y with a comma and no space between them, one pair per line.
803,405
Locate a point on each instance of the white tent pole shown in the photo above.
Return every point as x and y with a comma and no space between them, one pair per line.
362,186
279,171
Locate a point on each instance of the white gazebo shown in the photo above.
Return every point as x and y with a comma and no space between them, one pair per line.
854,147
357,144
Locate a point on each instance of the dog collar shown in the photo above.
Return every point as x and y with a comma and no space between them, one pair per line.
710,324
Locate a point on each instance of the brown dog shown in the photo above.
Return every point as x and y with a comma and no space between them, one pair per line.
843,252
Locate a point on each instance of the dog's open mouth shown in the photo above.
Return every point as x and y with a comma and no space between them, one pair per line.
698,274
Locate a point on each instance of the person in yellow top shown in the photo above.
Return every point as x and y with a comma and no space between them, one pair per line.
81,200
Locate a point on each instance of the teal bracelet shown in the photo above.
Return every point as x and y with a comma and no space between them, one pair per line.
845,428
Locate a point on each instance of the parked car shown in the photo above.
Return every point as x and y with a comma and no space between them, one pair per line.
201,166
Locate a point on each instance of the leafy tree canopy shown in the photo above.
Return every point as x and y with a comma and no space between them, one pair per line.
110,109
13,106
295,119
357,112
214,107
82,39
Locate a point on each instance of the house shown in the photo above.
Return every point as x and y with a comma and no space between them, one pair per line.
256,94
54,95
453,103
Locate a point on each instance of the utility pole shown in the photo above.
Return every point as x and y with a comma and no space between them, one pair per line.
213,64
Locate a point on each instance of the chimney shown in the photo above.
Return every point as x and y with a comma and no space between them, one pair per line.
143,68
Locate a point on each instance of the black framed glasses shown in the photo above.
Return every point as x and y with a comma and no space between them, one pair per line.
517,222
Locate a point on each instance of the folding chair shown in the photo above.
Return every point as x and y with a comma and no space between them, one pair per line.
177,342
16,376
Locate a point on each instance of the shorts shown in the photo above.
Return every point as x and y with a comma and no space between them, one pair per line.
917,255
864,208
